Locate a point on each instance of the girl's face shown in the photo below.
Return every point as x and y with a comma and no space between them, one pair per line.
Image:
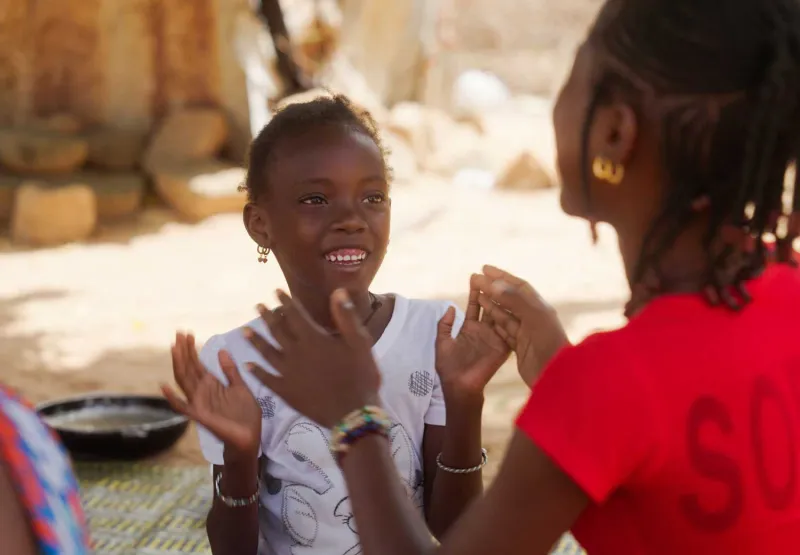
326,215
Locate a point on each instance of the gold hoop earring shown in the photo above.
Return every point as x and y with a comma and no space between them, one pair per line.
606,170
263,252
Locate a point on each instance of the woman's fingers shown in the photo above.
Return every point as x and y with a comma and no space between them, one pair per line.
497,316
278,326
347,321
510,340
273,382
300,323
272,355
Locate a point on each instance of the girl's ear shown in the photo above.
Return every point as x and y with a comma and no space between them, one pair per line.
257,224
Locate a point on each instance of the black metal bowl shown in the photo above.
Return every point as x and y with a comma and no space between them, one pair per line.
112,426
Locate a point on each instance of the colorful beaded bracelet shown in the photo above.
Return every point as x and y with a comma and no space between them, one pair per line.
356,425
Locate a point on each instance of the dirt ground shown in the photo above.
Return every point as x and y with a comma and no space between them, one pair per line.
100,316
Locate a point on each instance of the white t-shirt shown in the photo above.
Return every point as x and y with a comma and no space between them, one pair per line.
304,506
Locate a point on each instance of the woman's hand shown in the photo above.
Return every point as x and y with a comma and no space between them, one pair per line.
231,413
522,318
323,376
466,363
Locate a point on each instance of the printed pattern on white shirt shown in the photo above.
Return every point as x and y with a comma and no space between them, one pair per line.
304,505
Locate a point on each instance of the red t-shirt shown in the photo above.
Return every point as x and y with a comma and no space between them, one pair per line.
683,427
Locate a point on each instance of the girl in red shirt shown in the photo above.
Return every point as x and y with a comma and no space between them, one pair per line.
680,432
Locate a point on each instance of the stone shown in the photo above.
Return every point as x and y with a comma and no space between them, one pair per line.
35,152
400,158
409,121
8,189
119,195
115,149
524,173
187,135
199,189
47,216
65,124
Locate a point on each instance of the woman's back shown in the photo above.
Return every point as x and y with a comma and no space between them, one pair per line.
711,447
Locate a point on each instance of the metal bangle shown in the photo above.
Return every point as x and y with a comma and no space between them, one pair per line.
235,502
476,468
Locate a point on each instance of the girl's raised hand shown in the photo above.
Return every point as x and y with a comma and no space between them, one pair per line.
522,317
229,412
467,362
321,375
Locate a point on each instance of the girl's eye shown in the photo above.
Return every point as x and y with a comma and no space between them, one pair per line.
313,199
376,198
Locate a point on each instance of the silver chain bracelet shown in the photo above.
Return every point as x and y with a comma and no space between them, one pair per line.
476,468
235,502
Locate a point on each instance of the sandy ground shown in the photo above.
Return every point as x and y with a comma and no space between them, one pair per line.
100,316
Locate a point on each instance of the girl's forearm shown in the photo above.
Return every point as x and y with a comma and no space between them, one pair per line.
234,530
461,449
388,523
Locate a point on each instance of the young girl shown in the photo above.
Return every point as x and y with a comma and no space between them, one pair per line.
318,187
678,433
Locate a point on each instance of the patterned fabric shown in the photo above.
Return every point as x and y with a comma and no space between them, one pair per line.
41,472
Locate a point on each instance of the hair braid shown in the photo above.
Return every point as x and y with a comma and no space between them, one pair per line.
726,84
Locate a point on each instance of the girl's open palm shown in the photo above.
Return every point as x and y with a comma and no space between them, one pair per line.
229,412
467,362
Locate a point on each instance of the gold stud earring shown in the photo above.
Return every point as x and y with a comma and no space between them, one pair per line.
263,252
606,170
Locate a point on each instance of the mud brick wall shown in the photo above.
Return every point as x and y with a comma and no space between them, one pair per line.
122,63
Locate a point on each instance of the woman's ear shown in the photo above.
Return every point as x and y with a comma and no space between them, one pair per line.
614,131
257,224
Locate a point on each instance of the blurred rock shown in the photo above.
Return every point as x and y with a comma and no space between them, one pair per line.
27,151
199,189
45,216
65,124
119,195
401,158
187,135
115,149
8,189
524,173
476,91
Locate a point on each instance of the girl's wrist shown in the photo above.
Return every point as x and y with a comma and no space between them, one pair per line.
459,400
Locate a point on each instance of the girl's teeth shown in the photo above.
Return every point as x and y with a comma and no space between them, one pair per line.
346,257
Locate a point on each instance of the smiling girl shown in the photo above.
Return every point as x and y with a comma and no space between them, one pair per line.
318,189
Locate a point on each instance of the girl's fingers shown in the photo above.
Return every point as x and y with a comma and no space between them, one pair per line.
184,377
176,402
196,367
229,369
473,308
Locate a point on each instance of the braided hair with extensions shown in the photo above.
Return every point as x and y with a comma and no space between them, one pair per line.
723,80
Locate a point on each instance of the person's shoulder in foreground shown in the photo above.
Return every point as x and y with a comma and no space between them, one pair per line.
40,508
683,425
